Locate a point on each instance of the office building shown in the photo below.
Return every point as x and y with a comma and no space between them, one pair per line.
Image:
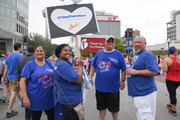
108,24
173,27
13,22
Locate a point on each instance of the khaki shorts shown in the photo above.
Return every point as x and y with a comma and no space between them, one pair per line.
13,83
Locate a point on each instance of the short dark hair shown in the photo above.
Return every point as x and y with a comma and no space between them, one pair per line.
59,48
17,46
30,49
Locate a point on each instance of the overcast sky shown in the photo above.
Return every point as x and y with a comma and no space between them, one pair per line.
148,16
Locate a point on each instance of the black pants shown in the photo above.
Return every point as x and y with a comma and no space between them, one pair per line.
36,115
69,113
171,87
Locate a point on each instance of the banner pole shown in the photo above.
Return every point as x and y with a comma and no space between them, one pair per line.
77,47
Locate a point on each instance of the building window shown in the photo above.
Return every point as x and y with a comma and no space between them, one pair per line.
1,11
17,27
109,18
14,2
14,27
2,23
2,45
14,14
8,12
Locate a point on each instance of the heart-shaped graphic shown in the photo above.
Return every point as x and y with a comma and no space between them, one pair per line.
46,79
104,66
71,22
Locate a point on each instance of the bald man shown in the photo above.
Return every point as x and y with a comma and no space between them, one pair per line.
141,84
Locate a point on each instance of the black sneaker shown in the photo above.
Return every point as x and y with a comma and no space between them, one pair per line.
9,115
172,112
169,106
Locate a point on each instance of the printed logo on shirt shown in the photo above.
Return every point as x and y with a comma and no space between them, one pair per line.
49,70
104,67
113,60
47,80
134,60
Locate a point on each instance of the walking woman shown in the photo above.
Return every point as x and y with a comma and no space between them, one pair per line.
171,65
37,86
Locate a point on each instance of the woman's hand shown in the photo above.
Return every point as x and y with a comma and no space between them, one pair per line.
26,102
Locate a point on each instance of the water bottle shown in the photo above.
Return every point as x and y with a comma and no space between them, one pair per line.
127,67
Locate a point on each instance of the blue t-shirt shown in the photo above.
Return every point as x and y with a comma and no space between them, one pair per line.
139,85
108,67
90,62
11,62
65,75
40,85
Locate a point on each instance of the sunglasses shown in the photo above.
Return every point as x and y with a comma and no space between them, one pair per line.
112,41
140,36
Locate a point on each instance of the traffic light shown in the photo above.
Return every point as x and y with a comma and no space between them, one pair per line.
126,34
25,39
25,42
130,32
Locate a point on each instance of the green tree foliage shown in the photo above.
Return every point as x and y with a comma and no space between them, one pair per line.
119,46
36,40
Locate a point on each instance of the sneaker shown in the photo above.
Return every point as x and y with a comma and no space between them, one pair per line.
169,106
3,100
172,112
9,115
8,102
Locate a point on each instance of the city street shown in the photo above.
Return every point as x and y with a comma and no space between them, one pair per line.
127,111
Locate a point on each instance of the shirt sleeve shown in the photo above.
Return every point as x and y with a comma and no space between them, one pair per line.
151,63
27,70
66,71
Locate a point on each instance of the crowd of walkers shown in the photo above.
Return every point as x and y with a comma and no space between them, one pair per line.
40,84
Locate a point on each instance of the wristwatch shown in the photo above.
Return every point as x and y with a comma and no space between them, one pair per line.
123,80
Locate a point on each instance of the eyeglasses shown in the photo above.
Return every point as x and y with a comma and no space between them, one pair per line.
140,36
67,50
112,41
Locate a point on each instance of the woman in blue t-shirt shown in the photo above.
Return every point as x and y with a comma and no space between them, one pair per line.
37,86
68,80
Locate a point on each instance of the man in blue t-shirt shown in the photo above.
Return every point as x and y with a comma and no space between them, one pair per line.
141,83
107,64
11,70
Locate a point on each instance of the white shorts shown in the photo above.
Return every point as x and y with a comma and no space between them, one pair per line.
145,106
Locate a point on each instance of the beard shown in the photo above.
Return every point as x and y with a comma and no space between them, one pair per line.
137,50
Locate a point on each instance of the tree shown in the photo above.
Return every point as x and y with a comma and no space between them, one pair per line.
119,46
35,39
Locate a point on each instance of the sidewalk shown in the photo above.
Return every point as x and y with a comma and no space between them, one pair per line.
127,111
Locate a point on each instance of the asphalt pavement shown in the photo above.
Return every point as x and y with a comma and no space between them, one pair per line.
127,111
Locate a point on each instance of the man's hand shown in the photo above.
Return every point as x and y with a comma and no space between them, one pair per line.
131,71
122,85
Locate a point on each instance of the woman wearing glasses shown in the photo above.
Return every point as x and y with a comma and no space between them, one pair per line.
68,83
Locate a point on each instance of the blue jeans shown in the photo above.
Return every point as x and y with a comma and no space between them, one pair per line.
69,113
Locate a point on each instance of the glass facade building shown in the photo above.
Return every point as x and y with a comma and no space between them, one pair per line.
13,21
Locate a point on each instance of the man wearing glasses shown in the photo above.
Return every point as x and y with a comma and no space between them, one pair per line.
141,84
107,64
